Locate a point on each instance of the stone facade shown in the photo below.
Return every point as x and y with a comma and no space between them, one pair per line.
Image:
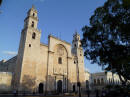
56,67
9,65
5,81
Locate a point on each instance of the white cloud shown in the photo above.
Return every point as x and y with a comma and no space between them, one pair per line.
12,53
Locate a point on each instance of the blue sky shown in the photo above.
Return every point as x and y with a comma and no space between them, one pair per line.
60,18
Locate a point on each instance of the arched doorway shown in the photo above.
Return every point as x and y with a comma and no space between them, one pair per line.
59,86
41,88
73,88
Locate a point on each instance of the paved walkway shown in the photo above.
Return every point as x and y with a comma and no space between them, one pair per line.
11,95
45,96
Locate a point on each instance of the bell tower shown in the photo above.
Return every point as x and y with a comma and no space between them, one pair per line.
76,44
77,51
29,50
31,20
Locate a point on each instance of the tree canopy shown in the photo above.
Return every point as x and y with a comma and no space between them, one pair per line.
107,39
0,2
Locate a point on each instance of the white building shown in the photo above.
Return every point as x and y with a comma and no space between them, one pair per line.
101,79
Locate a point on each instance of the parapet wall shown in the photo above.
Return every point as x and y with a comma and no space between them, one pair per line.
5,81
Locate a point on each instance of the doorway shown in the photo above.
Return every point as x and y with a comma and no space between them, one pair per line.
59,86
73,88
41,88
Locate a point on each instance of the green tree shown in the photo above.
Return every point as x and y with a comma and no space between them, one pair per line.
0,2
107,40
0,5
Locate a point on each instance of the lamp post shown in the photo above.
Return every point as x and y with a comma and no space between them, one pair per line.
79,84
78,81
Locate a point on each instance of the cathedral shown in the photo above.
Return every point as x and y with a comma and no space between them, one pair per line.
53,68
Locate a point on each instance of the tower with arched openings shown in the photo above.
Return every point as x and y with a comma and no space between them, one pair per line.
55,68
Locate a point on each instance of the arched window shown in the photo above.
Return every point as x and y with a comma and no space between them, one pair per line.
60,60
94,81
75,45
29,45
33,35
80,53
74,62
33,14
32,24
102,81
41,88
98,81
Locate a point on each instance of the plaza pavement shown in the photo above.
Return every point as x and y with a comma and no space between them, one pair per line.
11,95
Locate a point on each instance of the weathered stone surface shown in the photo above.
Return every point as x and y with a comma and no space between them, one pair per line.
5,81
57,66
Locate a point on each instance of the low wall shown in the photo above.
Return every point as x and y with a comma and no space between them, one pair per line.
5,81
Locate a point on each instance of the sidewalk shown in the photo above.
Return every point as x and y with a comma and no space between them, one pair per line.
38,95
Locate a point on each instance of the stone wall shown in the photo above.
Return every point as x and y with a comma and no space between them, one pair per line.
9,65
5,81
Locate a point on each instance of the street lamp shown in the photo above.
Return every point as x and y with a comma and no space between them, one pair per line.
79,84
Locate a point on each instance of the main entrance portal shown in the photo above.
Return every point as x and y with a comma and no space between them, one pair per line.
59,86
41,88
